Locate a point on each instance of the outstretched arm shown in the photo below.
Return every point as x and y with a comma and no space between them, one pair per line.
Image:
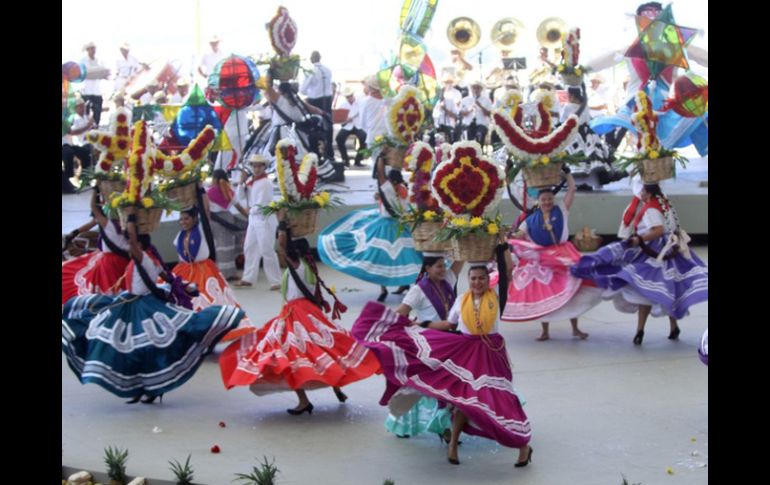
571,189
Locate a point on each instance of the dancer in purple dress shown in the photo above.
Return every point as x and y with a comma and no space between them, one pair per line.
469,370
653,271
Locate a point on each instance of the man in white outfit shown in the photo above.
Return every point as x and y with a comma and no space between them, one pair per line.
260,234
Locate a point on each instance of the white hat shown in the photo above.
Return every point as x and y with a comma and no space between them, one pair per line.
79,100
448,78
372,83
125,45
182,81
347,91
257,158
89,45
477,83
214,38
158,96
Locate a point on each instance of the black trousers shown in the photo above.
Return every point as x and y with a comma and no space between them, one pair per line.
477,133
448,131
342,137
325,104
94,104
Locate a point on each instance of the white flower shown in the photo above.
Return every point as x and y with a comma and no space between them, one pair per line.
168,166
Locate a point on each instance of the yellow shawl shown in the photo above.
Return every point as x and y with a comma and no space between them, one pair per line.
482,323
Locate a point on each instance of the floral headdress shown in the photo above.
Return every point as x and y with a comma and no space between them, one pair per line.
283,36
420,159
570,70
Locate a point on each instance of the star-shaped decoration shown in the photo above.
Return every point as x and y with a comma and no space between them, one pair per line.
661,43
114,143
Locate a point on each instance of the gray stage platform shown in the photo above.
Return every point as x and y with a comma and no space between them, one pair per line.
600,210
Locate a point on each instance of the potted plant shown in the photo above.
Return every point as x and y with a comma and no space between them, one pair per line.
262,475
115,458
183,473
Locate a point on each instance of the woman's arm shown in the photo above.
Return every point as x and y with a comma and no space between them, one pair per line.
270,93
571,189
456,267
312,109
381,178
134,249
651,235
97,211
403,309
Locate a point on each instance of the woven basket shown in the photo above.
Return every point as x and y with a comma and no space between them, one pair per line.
543,175
572,79
653,171
424,234
147,220
303,223
474,247
108,187
284,70
184,194
587,245
394,156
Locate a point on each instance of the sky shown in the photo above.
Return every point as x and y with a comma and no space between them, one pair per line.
353,36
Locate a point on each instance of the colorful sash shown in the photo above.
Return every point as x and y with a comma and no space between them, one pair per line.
193,247
483,322
538,231
441,296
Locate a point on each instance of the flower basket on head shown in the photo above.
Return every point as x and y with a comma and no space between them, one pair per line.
284,68
109,187
424,235
587,241
543,175
474,247
394,156
147,220
303,223
570,71
653,171
571,78
186,195
297,182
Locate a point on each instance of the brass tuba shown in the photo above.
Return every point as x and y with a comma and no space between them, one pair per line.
551,32
464,33
506,32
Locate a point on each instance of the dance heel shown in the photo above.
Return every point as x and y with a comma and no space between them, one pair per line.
674,335
151,399
341,396
524,463
401,290
453,461
383,295
639,337
446,439
297,412
134,400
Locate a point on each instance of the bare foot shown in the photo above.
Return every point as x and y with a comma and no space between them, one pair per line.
543,338
579,334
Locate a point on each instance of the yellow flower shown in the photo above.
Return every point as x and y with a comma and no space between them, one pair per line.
459,222
560,68
274,204
333,289
185,175
429,215
378,138
493,229
693,439
477,221
115,202
544,160
147,202
578,71
319,200
654,155
670,471
326,197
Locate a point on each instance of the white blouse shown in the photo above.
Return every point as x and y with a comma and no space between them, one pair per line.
421,305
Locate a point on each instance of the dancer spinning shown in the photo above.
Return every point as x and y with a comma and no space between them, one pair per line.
471,370
366,243
300,349
541,284
99,271
142,341
653,271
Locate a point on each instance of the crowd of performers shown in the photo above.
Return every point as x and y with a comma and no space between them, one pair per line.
139,330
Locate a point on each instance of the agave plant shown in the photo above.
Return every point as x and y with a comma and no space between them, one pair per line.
262,475
183,473
388,481
115,458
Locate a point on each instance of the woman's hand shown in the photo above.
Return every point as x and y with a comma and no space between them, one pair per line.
634,240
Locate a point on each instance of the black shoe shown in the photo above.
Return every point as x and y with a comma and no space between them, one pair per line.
401,290
151,399
403,436
639,337
524,463
584,188
674,335
382,296
297,412
134,400
341,396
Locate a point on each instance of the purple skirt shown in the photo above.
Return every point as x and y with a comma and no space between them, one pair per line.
675,284
463,370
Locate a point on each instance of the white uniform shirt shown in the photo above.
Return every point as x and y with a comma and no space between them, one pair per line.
125,68
372,114
78,123
260,193
319,83
92,87
210,61
421,305
469,104
354,111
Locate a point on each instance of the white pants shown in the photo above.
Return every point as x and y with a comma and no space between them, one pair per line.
260,244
